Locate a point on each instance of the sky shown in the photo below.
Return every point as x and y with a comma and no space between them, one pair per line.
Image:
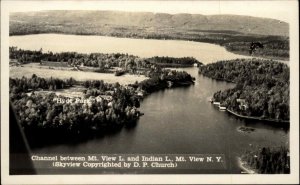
276,9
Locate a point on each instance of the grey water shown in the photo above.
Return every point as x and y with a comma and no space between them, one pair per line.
204,52
175,121
183,121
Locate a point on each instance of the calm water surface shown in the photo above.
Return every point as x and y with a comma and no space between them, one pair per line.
182,121
204,52
176,121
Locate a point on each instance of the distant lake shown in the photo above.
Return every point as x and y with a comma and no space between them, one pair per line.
204,52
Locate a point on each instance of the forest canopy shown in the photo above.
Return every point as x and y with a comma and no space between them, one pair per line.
262,87
268,160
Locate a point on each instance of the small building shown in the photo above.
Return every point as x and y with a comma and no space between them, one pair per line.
99,99
239,100
242,104
216,103
222,108
244,107
140,93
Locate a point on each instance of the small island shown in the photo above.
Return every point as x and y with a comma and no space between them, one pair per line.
244,129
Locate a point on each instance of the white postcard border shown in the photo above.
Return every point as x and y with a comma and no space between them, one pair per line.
151,179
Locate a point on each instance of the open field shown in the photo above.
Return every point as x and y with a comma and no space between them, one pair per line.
19,72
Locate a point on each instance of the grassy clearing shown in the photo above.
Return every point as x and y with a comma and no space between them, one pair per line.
28,71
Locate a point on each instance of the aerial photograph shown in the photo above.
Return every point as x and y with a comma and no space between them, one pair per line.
121,91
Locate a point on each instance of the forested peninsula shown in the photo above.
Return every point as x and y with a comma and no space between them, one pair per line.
100,108
262,88
101,61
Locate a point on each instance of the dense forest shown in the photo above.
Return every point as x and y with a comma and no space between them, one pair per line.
100,61
42,111
104,106
273,47
174,62
268,160
24,84
261,91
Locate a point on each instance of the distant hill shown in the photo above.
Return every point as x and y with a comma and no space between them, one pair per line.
234,32
106,20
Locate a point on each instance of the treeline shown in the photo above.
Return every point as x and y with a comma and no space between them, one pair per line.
160,79
25,56
277,48
261,91
43,111
123,96
165,79
174,62
72,58
268,160
109,106
23,85
102,62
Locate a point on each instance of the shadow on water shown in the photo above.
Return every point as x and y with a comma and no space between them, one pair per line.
270,125
39,138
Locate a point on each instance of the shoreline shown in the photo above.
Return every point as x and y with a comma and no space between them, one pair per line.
161,39
257,118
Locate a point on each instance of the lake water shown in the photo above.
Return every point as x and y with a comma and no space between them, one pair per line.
204,52
183,121
176,121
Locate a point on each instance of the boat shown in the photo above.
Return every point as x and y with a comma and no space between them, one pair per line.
222,108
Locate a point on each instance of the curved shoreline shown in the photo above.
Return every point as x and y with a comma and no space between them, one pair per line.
257,118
